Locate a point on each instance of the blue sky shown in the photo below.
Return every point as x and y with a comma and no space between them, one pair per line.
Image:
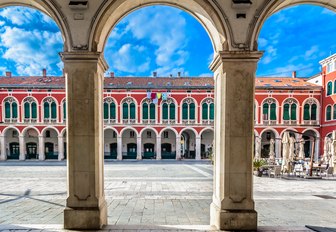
296,38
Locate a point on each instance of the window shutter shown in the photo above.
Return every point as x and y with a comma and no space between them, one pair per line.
165,111
132,109
145,111
334,114
152,111
306,115
313,112
265,111
293,112
273,111
64,109
286,112
185,111
205,111
26,110
192,111
46,110
53,110
106,106
172,111
34,110
112,110
212,111
329,88
328,112
7,110
125,111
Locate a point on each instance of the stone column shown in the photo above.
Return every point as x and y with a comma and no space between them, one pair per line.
158,148
233,205
3,155
60,148
333,150
85,205
41,147
178,147
317,149
278,145
139,156
198,148
22,148
119,148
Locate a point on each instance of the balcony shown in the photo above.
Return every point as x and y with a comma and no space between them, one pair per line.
311,122
11,120
50,120
30,120
110,121
290,122
129,121
168,121
189,121
148,121
208,122
269,122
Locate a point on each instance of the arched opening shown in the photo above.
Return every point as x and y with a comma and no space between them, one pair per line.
110,144
168,144
268,143
207,137
129,144
11,147
51,146
310,143
148,144
31,139
188,144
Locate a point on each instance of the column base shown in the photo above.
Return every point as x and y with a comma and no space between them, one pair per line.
85,218
233,219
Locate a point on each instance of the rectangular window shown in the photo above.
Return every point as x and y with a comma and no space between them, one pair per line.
132,134
149,134
165,134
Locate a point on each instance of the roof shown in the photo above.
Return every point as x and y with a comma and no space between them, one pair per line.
53,82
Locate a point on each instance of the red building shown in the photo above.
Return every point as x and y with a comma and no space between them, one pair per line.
164,118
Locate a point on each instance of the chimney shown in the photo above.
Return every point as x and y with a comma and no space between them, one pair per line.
44,72
170,75
294,74
8,74
112,74
178,74
154,74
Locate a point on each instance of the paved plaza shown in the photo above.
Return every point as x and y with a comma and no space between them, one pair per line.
153,195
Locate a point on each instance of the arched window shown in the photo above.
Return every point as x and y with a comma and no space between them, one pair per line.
49,110
188,111
329,88
334,112
64,110
128,111
30,110
334,86
269,111
109,110
168,111
11,110
328,113
310,112
208,110
148,111
289,111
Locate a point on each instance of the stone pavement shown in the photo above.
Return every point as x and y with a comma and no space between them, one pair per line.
157,196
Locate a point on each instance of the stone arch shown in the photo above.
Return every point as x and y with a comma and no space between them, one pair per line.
207,142
196,108
3,133
209,15
169,128
110,143
149,147
49,8
30,127
275,6
148,128
129,128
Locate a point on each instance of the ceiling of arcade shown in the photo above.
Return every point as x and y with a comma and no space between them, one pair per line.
233,25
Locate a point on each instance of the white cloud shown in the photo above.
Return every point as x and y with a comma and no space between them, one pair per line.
31,50
2,70
311,53
262,42
17,15
206,75
2,23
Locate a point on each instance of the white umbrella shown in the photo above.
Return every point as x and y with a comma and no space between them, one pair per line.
285,152
291,148
272,153
301,149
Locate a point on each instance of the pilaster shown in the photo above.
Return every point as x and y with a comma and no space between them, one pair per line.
60,147
198,148
85,205
41,147
233,206
119,148
139,156
178,147
22,148
333,150
158,148
3,155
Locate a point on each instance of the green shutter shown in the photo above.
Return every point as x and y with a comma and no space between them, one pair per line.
152,111
53,110
212,111
14,110
34,110
46,110
329,88
334,113
165,111
185,111
192,111
125,111
64,110
26,110
313,112
265,111
335,86
145,111
7,110
293,112
306,114
112,111
286,112
328,116
205,111
273,111
132,109
106,108
172,111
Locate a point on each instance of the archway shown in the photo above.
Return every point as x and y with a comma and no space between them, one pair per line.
168,144
207,137
129,138
33,144
188,144
149,143
310,138
51,145
110,144
10,147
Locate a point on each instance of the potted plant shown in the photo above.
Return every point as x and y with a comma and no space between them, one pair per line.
257,164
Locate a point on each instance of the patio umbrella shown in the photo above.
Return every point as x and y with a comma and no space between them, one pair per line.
285,152
291,148
301,149
272,153
257,148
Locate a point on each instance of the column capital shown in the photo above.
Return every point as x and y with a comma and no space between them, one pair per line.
84,56
235,56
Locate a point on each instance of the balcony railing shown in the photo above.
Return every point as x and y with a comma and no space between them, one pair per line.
269,122
50,120
148,121
30,120
168,121
208,121
129,121
290,122
311,122
189,121
110,121
10,120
